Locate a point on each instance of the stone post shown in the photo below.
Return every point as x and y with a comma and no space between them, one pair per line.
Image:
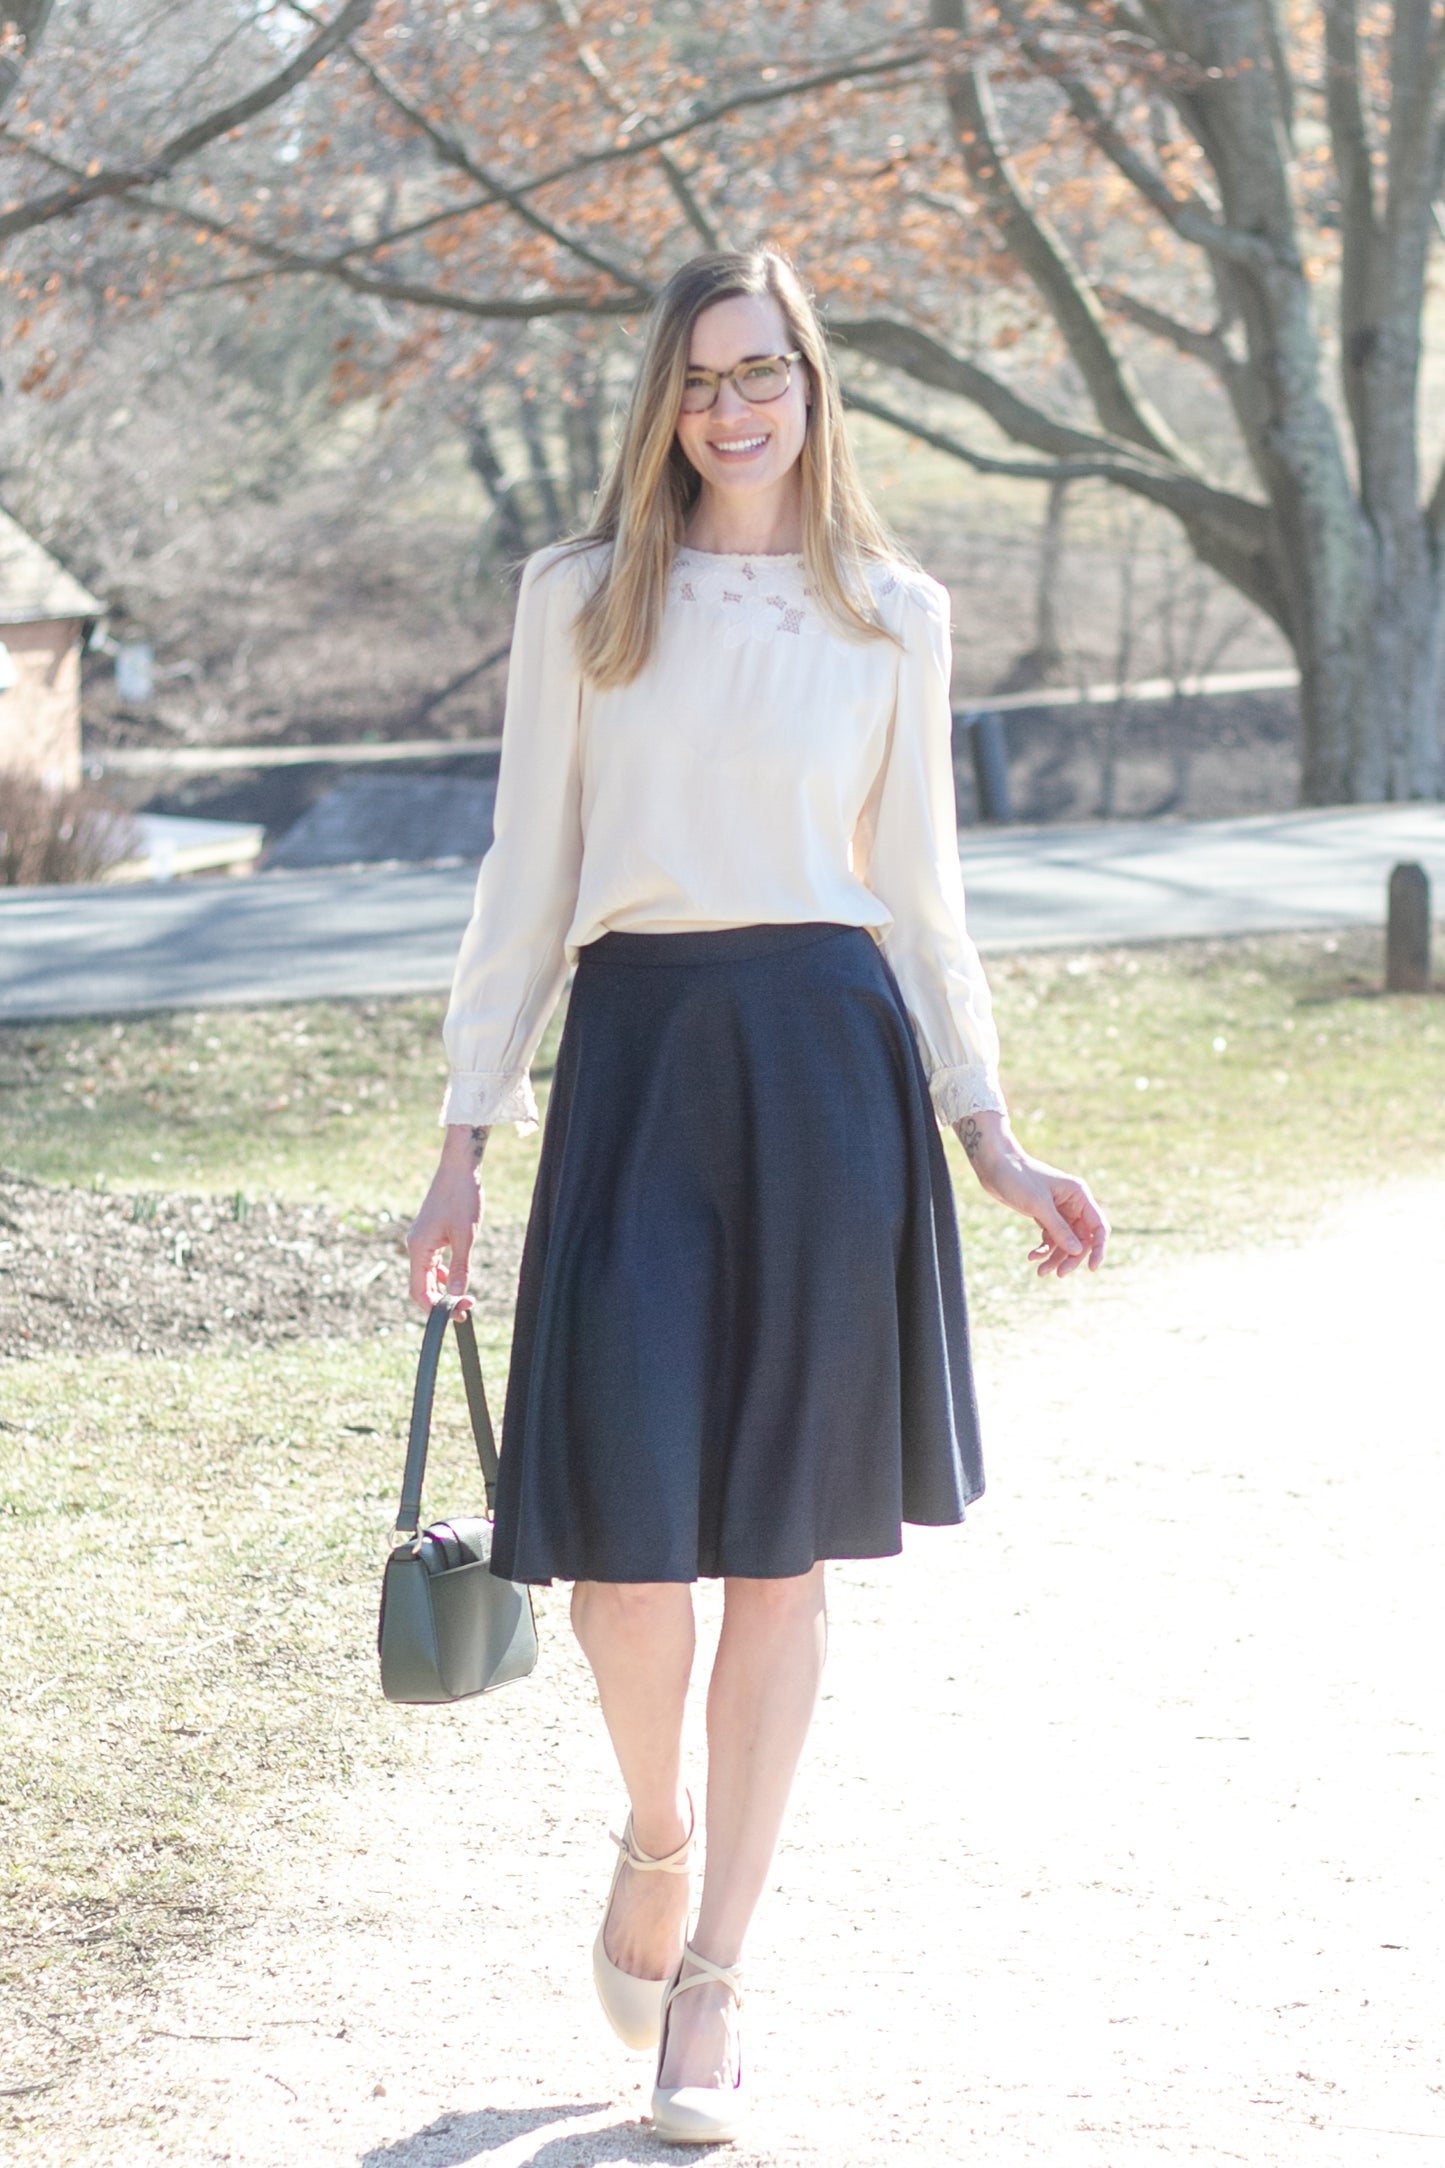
1407,932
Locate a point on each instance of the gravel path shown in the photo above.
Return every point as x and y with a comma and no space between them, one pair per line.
1117,1841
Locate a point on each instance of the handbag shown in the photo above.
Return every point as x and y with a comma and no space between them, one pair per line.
449,1627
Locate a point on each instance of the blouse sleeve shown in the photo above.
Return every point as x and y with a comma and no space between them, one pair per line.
512,964
914,870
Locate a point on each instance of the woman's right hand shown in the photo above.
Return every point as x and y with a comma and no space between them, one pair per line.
439,1240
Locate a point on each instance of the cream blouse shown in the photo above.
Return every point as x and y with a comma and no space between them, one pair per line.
764,768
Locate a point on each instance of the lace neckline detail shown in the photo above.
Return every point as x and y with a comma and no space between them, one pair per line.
756,598
747,598
741,557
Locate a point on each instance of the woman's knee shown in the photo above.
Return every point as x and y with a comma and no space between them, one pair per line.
776,1602
630,1609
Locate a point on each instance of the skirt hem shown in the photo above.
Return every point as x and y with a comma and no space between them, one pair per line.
688,1580
735,1573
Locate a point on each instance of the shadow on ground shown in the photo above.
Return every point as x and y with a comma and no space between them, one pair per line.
452,2140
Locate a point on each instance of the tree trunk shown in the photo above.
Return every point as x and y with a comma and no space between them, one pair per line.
1371,682
486,464
1042,663
552,518
1395,745
582,433
1047,644
1117,711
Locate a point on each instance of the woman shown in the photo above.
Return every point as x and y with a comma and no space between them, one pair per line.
727,795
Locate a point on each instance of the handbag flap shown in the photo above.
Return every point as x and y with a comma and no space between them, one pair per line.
455,1543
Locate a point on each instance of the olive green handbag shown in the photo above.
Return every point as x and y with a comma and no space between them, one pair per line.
449,1626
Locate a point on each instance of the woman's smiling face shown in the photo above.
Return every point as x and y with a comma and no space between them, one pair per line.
735,446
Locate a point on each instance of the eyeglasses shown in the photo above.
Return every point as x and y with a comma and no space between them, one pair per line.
759,378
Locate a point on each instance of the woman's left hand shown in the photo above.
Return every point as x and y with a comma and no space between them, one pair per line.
1072,1229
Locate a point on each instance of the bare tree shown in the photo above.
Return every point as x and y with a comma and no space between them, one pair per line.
1246,188
1339,541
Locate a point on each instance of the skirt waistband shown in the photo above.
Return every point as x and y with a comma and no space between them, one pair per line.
709,945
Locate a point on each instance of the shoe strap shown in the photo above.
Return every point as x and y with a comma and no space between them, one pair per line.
728,1976
666,1863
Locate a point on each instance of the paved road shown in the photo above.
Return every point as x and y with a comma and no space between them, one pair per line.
394,930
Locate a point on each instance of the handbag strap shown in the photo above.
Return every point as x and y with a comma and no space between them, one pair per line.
409,1512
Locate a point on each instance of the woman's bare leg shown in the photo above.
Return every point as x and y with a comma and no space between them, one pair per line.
760,1703
639,1639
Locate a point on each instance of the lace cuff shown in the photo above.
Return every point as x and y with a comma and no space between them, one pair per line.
481,1101
974,1090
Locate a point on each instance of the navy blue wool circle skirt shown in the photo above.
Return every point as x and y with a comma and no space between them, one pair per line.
741,1343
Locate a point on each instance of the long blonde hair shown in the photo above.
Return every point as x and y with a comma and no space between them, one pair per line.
652,486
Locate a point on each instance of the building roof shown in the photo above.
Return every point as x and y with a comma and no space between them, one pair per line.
34,585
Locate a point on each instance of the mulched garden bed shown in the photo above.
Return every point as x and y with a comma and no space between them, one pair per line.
91,1270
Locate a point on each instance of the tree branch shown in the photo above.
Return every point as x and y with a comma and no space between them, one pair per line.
427,706
851,68
1276,40
1206,346
592,65
392,237
455,154
1080,467
1120,405
681,185
1089,113
374,247
1245,522
1229,533
921,356
1189,218
639,145
1417,55
118,181
294,263
1350,149
1345,111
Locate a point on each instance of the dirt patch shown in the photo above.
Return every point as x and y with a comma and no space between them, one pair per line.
91,1270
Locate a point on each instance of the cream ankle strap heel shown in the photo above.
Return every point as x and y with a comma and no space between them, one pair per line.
698,2114
633,2006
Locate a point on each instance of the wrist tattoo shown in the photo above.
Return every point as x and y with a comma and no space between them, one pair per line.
479,1144
970,1136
